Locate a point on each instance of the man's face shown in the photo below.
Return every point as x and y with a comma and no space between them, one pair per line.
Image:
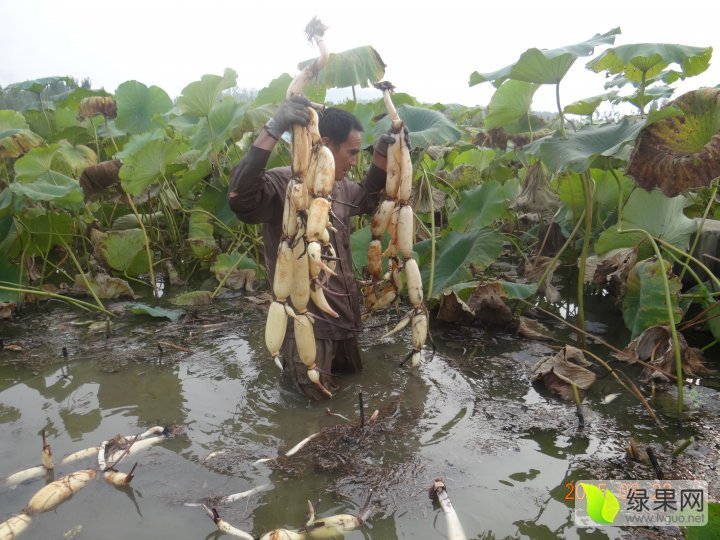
345,154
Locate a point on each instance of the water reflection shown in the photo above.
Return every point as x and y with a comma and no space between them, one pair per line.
469,416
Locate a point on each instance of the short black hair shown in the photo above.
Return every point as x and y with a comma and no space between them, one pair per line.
336,124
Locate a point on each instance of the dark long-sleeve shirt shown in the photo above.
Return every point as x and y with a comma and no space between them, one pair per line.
257,196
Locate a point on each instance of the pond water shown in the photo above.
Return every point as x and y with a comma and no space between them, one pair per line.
470,415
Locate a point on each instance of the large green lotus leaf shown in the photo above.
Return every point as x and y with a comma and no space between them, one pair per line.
605,192
137,142
225,119
458,252
139,107
660,216
125,251
479,158
198,167
644,300
63,191
16,142
40,231
509,103
680,152
198,98
543,66
361,66
12,120
73,159
635,61
145,165
426,127
577,152
479,206
35,163
275,92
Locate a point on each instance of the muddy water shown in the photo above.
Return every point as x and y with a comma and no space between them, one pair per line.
471,416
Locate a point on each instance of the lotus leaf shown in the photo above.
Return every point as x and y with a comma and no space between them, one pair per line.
12,120
479,206
90,106
104,286
461,254
193,298
361,66
638,62
97,180
16,142
545,66
197,98
577,152
123,250
73,159
139,107
241,270
563,370
224,122
681,152
426,127
644,300
62,190
143,166
510,102
660,216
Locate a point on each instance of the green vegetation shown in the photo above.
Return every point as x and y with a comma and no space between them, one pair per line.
99,189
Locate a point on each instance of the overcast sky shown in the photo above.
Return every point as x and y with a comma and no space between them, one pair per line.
430,48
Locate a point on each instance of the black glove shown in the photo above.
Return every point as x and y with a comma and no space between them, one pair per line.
291,111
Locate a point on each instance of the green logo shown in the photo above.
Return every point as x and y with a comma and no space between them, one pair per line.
601,507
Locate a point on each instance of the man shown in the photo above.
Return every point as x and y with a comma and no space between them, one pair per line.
257,196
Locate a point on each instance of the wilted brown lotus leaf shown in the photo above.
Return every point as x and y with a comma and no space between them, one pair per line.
18,142
104,286
453,309
534,271
97,180
536,195
558,373
682,152
611,269
654,346
90,106
490,309
7,309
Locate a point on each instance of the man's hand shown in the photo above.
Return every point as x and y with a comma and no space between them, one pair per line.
291,111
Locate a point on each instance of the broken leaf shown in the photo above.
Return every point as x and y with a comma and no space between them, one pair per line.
655,346
194,298
104,286
681,152
561,371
